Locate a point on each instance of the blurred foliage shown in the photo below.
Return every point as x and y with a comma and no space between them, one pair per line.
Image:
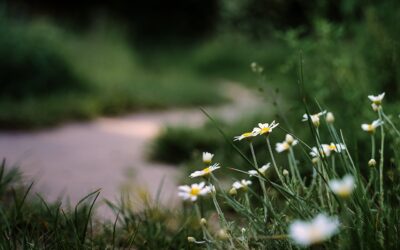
113,80
31,64
341,65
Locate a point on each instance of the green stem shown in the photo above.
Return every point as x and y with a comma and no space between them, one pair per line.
273,162
381,161
253,154
372,146
296,169
390,122
261,183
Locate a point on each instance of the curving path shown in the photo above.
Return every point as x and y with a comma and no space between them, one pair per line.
109,153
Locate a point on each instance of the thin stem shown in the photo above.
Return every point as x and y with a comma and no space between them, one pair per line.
390,122
273,161
372,146
381,162
296,169
253,154
261,183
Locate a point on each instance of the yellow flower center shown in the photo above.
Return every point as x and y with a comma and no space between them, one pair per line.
315,235
286,145
343,192
207,170
332,147
265,130
377,102
371,128
194,191
248,134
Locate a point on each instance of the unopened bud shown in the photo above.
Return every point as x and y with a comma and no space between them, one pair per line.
222,234
191,239
203,222
372,163
315,160
330,118
243,230
285,172
233,191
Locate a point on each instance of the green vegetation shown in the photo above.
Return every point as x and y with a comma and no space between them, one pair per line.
29,222
84,76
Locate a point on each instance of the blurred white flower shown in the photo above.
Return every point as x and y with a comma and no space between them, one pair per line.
370,128
262,170
207,157
243,184
330,118
338,147
247,135
265,128
256,68
342,187
327,149
323,151
318,230
314,118
377,99
286,144
205,171
192,192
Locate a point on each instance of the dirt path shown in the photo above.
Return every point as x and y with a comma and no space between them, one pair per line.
74,159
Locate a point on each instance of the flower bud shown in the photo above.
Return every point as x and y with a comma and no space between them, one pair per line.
315,160
372,163
285,172
243,230
222,234
330,118
233,191
203,222
191,239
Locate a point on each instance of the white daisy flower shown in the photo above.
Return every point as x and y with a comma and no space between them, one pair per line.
243,184
265,128
286,144
370,128
377,100
323,151
262,170
282,146
247,135
314,118
318,230
192,192
342,187
205,171
207,157
338,147
327,149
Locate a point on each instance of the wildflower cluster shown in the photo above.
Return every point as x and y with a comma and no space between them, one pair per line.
289,204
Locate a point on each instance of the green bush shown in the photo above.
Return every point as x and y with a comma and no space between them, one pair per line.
31,65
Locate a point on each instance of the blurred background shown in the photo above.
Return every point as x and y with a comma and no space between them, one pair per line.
149,64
